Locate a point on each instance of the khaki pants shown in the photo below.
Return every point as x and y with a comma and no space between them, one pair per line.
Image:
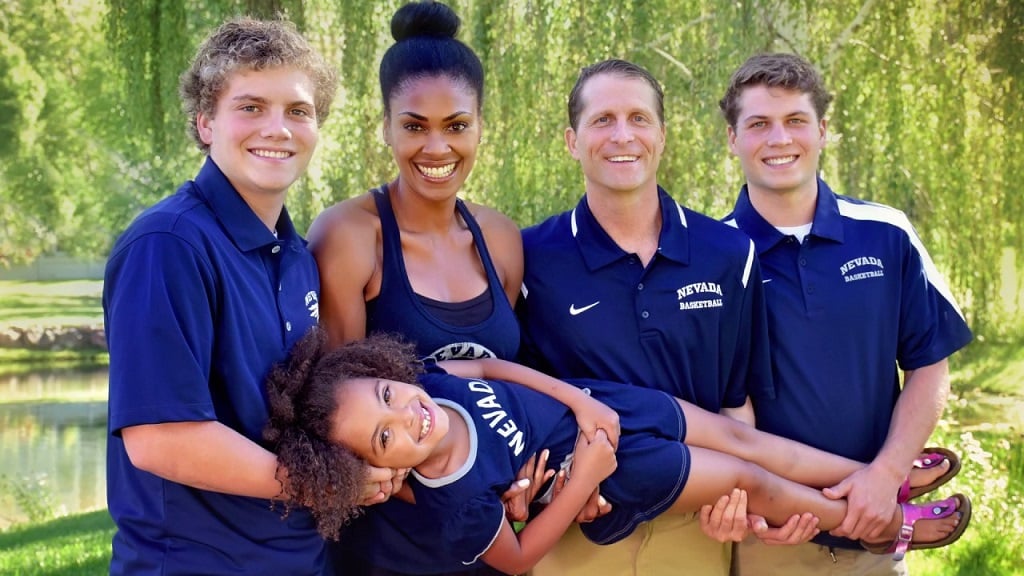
752,558
672,544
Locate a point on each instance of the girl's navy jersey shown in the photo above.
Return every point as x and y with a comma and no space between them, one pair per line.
508,423
399,310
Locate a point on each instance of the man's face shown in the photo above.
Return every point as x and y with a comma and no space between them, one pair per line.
619,138
263,131
778,138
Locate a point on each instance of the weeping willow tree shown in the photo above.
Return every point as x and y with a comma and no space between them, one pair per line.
58,168
927,115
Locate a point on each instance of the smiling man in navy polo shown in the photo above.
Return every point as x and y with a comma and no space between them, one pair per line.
852,297
202,294
631,286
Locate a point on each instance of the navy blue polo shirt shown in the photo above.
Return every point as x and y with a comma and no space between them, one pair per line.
200,299
858,299
691,323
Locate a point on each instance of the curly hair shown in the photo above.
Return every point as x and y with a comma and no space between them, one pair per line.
302,393
249,44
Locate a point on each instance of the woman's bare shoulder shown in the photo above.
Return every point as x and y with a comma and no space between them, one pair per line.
492,221
347,219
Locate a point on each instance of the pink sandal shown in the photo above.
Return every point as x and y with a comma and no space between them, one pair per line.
958,503
930,458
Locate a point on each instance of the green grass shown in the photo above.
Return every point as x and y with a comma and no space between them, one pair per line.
58,303
71,546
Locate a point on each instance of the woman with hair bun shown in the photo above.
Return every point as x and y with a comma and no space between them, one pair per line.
410,257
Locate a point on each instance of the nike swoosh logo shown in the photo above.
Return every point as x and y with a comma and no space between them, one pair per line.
766,280
573,310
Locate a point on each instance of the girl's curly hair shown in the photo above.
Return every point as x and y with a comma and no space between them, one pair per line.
302,393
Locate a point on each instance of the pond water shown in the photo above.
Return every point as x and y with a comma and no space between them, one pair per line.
53,429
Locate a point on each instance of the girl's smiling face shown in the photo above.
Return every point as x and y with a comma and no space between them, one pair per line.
387,423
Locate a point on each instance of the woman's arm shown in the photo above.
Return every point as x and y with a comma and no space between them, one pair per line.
591,415
343,238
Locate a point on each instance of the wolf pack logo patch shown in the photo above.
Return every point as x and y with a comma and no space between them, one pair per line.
313,305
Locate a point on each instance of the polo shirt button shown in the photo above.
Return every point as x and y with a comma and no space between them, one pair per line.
803,261
810,288
288,326
275,249
640,286
645,314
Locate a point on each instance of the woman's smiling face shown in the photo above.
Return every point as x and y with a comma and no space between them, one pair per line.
433,128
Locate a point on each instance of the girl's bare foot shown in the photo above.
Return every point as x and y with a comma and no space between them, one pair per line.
932,468
921,526
924,476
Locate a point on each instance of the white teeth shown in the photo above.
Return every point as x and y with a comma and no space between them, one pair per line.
279,154
436,171
779,161
623,159
424,423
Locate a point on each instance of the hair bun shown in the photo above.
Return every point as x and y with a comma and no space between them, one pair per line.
424,19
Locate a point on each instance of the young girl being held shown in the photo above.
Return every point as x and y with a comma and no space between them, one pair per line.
465,427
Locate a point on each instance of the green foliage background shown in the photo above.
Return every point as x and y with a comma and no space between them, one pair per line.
927,117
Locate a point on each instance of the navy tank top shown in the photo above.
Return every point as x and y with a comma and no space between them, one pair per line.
399,310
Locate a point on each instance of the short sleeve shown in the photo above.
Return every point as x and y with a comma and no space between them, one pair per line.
931,324
158,306
472,529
